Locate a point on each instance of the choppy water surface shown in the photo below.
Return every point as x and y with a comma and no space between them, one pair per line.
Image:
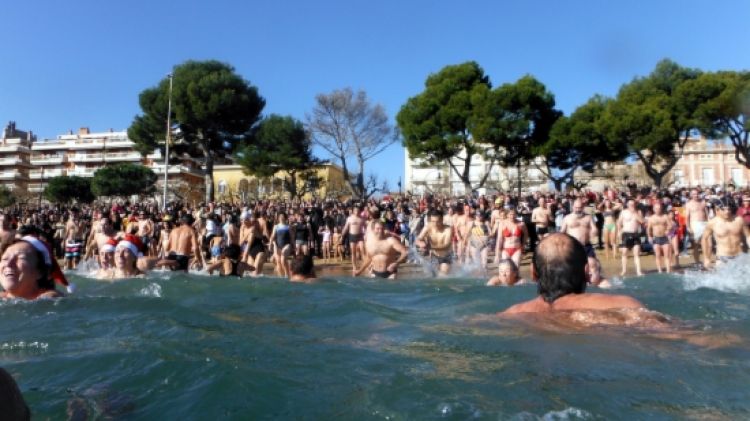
194,347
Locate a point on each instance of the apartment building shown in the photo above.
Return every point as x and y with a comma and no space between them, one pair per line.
707,163
15,149
422,177
83,153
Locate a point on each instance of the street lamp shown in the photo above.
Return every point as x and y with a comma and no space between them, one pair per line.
169,135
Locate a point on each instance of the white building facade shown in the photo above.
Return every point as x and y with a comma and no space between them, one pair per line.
422,177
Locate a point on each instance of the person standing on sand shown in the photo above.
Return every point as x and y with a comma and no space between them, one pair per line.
582,227
657,228
354,231
697,218
629,224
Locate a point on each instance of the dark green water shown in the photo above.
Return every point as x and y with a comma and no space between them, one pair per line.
194,347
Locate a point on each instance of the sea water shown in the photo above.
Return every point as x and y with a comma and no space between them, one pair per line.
175,346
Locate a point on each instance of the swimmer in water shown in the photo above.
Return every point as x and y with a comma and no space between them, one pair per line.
560,263
230,263
437,237
507,275
25,271
302,269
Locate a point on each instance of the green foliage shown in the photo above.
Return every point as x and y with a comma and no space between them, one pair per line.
723,108
277,143
576,142
6,197
459,111
437,124
66,189
123,180
212,108
654,117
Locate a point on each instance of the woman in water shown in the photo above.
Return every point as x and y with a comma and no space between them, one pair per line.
25,271
282,245
512,236
230,263
254,249
507,275
609,212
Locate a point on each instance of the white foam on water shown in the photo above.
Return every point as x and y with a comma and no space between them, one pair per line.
733,276
569,413
11,346
151,290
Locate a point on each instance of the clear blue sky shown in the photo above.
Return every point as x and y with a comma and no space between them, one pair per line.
82,63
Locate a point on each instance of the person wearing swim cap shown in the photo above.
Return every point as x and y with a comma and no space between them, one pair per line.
25,269
727,230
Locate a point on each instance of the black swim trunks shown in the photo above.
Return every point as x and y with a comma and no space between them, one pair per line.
355,238
661,241
182,261
630,240
383,274
541,231
439,260
590,251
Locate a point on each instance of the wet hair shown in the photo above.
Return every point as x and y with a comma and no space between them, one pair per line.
726,203
303,265
435,212
511,264
186,219
560,264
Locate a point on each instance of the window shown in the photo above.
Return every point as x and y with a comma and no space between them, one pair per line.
706,156
222,186
708,176
679,177
737,177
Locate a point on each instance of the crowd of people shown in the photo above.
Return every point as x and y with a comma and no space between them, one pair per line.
375,237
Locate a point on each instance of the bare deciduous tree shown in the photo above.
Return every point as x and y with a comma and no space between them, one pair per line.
347,126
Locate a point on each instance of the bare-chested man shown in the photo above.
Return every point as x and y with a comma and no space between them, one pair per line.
437,237
354,228
727,231
383,253
541,217
697,218
73,243
629,224
658,225
146,231
232,232
582,227
182,245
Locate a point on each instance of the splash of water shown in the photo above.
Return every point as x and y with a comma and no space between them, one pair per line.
151,290
733,276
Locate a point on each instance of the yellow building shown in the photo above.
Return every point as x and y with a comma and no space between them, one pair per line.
231,184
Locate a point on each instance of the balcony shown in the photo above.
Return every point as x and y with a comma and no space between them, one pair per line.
11,175
92,157
123,157
12,161
39,174
82,172
47,159
13,148
36,188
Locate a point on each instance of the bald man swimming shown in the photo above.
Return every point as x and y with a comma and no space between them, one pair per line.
561,266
